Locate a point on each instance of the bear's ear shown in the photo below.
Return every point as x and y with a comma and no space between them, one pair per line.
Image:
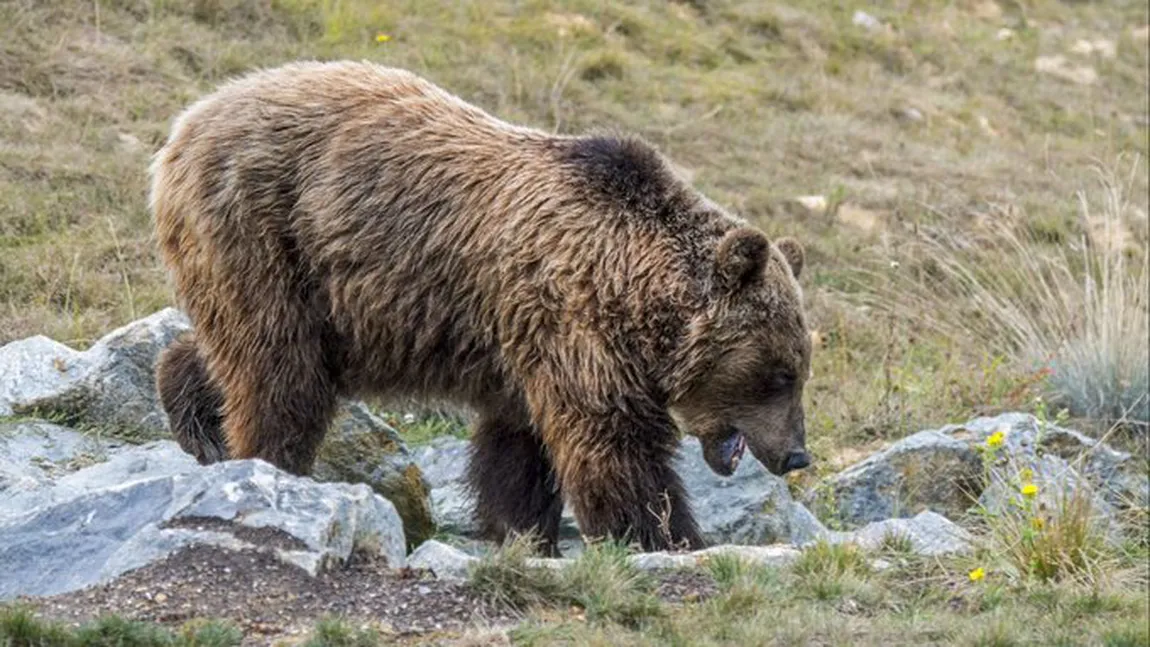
793,251
741,255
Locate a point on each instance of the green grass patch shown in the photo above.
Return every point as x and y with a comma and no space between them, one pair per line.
19,627
422,428
338,632
832,596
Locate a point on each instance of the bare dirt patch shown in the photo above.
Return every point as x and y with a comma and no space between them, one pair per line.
271,601
267,599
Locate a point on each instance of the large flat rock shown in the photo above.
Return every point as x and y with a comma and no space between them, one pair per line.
146,502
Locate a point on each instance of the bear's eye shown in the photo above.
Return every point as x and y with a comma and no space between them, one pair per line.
778,384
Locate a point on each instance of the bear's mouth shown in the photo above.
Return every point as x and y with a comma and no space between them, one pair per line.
735,446
723,456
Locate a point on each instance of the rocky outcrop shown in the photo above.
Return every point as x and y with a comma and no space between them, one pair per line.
926,533
752,506
109,390
34,452
361,448
982,463
111,385
145,502
443,463
926,471
82,501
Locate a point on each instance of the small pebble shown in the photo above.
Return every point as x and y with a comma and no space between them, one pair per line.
865,20
909,114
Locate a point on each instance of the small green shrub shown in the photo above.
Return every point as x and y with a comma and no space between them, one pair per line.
604,583
504,577
336,632
825,558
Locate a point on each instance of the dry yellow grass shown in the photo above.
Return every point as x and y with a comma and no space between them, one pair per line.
1075,315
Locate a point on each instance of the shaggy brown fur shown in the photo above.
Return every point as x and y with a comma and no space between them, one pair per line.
192,402
346,229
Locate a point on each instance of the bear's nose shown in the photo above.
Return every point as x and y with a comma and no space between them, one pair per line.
798,460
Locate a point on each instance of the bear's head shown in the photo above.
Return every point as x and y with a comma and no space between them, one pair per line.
747,356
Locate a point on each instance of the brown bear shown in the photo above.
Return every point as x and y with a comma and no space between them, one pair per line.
346,229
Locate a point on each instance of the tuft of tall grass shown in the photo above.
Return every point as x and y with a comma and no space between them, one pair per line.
1072,312
1062,541
604,583
827,571
601,581
505,577
336,632
825,558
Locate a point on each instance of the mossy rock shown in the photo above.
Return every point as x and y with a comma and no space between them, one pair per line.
361,448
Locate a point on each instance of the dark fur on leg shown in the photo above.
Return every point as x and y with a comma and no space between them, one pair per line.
275,360
513,481
277,405
621,481
192,402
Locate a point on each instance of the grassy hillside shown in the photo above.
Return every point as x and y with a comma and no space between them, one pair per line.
940,123
974,208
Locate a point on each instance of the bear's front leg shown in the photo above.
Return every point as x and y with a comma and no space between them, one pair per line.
617,472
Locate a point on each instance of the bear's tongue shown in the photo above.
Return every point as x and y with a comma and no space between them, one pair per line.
733,449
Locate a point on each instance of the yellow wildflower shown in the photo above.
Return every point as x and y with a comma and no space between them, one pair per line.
1029,490
1038,523
977,574
995,440
382,37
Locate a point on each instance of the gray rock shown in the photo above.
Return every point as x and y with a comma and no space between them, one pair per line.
952,469
1060,463
111,384
752,506
146,502
122,390
1050,450
37,370
445,562
33,453
150,461
361,448
928,533
909,114
926,471
865,20
443,463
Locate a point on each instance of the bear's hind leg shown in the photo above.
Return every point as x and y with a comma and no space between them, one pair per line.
513,481
192,402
